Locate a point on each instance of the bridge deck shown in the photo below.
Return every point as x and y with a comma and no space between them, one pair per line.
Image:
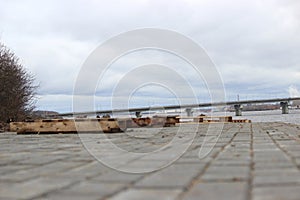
212,104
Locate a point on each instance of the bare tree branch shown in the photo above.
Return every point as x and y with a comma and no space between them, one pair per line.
17,88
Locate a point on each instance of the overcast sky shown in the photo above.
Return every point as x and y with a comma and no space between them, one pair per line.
255,44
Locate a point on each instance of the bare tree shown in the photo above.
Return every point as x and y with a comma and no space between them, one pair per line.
17,89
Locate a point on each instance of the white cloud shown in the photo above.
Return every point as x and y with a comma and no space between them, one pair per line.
293,91
255,44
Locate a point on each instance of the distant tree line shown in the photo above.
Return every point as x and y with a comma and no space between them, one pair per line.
17,88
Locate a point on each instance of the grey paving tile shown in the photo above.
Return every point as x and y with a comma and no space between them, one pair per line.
58,167
229,173
32,188
147,194
279,178
117,177
217,190
175,176
291,192
45,170
87,190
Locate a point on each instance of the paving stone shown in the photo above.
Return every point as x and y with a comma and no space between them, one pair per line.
32,188
185,160
230,173
283,164
274,171
6,169
46,170
68,196
291,192
229,162
147,194
59,167
83,172
41,159
117,177
217,190
279,178
87,190
175,176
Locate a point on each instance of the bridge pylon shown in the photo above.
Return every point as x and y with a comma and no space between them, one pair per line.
238,110
284,107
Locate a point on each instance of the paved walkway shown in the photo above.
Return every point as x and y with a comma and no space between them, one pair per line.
258,161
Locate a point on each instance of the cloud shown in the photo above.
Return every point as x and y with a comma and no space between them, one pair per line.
254,44
293,91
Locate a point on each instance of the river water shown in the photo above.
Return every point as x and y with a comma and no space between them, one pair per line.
260,116
254,116
271,116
